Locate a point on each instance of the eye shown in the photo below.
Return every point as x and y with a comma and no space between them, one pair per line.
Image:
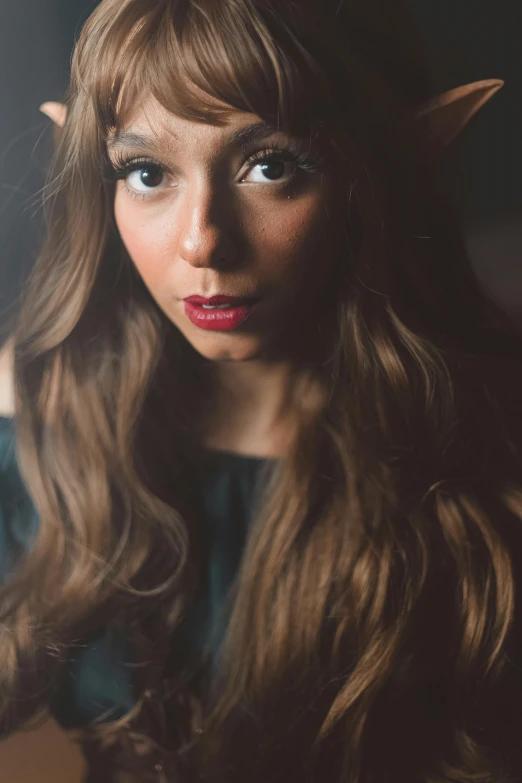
279,166
141,176
272,169
145,178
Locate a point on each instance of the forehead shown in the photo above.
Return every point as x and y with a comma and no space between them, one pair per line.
148,118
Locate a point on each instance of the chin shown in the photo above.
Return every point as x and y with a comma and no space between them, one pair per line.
227,348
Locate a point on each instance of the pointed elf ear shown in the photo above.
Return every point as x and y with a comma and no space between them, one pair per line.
57,112
441,119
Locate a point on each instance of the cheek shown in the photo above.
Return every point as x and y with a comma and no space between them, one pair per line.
147,237
301,241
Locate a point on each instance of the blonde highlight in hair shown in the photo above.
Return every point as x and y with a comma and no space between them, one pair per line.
375,616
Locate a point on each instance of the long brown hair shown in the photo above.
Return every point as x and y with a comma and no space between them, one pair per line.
374,620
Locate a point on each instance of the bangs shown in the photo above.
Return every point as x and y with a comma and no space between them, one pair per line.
188,55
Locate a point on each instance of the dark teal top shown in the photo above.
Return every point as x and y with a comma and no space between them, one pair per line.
98,678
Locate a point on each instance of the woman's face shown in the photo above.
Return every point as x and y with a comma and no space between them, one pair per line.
207,211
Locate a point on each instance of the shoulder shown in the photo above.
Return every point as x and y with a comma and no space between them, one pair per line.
18,517
6,380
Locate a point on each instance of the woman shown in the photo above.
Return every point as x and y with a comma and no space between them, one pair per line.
263,520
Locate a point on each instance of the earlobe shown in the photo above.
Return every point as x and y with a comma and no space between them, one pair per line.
443,118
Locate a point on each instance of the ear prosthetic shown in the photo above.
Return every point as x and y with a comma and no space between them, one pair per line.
441,119
57,112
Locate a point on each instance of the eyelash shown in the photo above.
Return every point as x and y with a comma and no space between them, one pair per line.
123,166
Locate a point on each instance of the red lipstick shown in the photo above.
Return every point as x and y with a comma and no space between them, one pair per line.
218,313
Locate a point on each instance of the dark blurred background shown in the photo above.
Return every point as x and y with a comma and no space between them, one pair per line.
466,41
470,40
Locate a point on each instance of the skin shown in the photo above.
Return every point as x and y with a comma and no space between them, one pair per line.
213,224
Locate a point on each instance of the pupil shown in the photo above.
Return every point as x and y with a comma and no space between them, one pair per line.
269,166
151,177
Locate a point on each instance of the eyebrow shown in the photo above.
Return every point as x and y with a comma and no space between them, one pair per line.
242,137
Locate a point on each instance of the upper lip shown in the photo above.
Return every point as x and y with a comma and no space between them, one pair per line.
219,300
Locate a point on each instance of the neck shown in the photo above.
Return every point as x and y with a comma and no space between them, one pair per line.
252,411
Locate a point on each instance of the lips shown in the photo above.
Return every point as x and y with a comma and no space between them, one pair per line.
218,313
215,301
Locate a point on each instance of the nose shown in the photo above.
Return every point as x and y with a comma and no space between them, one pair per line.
205,239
